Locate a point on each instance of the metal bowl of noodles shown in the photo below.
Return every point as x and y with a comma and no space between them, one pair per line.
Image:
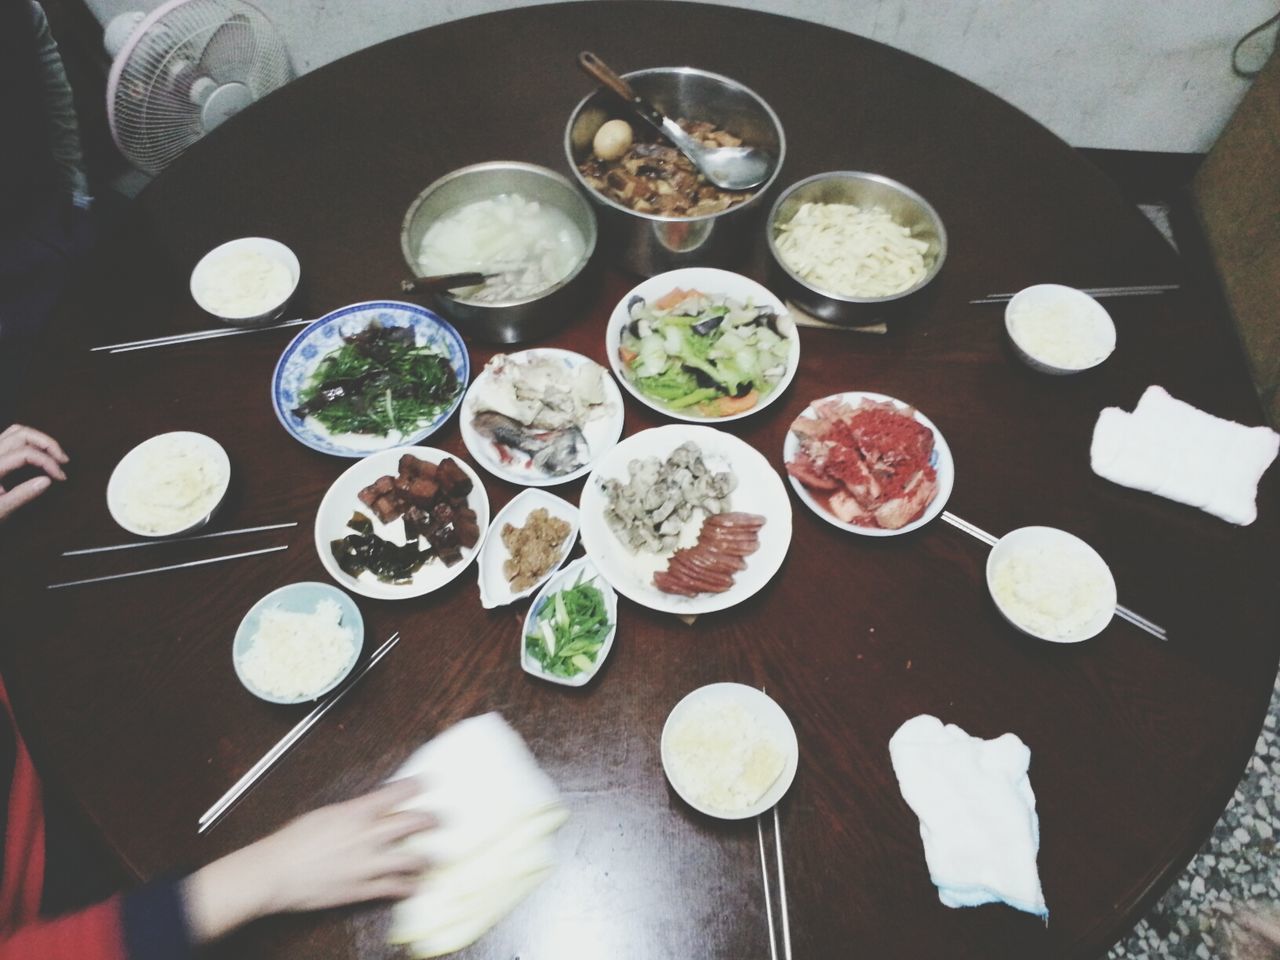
651,243
510,317
908,210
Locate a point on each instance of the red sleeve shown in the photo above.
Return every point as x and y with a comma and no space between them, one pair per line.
96,933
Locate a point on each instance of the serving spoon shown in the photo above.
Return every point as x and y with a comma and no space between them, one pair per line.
730,168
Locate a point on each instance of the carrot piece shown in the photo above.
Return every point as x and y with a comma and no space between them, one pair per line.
626,355
728,406
675,297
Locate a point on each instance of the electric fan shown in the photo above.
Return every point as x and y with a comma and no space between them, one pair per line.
184,68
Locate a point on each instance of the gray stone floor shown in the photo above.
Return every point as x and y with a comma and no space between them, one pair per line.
1235,866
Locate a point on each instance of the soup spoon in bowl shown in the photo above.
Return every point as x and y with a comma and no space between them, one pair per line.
729,168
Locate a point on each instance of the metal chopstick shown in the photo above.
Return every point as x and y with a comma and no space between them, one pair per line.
782,886
1133,291
272,756
193,335
1124,613
768,899
172,566
201,536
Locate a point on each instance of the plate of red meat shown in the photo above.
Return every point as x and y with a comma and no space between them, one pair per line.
401,523
869,464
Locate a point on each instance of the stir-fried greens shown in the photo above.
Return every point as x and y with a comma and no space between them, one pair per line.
571,627
379,382
704,353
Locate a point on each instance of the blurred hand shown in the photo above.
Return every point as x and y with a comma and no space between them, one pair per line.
346,853
26,447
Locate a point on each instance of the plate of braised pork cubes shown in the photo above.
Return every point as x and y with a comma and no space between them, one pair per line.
685,519
401,523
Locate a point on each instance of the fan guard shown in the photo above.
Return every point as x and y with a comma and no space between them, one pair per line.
188,66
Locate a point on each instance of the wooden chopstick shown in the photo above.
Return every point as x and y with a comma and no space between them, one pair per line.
1097,292
285,743
1124,613
161,540
172,566
193,336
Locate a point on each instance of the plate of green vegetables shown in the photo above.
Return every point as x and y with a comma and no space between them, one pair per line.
703,345
370,377
570,627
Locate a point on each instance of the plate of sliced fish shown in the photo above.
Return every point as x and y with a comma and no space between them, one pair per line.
541,417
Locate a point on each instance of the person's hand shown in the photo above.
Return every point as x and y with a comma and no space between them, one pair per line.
25,447
346,853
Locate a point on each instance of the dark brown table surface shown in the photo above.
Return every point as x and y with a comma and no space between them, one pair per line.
127,691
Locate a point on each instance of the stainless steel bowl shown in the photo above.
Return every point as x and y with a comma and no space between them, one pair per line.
648,243
865,190
508,321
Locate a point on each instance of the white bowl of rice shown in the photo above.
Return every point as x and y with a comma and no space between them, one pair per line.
298,642
246,281
1051,585
168,485
1059,330
729,751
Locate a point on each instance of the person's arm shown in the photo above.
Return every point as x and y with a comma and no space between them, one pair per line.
346,853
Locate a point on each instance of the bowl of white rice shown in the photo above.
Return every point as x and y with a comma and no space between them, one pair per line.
1051,585
854,248
729,751
1059,330
247,281
168,485
298,642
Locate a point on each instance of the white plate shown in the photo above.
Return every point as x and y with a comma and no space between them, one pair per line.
601,432
771,717
941,460
584,568
495,589
298,598
341,501
712,281
759,491
1035,539
126,473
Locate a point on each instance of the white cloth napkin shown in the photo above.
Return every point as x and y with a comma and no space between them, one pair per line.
977,813
498,812
1172,449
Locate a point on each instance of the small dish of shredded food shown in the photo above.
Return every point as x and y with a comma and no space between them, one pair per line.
729,751
1051,584
169,484
245,280
1059,330
852,251
298,642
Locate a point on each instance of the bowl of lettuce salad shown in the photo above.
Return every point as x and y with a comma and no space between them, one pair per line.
702,345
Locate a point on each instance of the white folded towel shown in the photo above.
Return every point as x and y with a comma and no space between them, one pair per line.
498,812
1170,448
977,813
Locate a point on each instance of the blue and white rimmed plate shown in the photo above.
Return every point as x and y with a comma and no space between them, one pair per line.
940,459
319,339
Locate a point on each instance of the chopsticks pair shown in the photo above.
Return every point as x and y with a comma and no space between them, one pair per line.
1124,613
269,759
173,566
1139,290
195,335
784,914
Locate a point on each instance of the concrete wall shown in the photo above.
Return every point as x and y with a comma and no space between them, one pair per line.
1121,74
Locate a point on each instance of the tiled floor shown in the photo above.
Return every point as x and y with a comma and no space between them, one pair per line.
1237,864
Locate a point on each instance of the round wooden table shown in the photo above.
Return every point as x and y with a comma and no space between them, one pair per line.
127,691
